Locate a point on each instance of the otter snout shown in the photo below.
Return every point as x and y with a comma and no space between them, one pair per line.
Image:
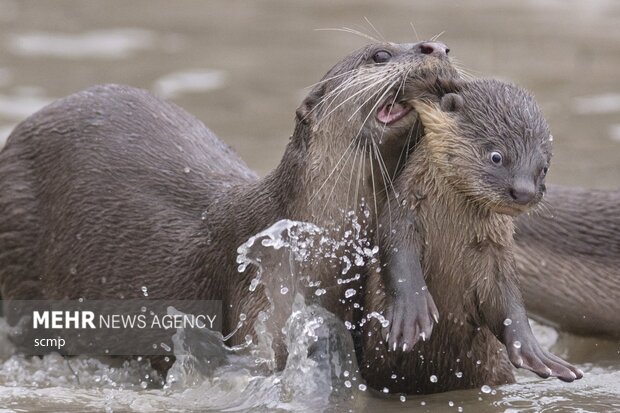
522,191
433,48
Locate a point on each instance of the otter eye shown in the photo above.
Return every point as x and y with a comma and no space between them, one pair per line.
382,56
496,158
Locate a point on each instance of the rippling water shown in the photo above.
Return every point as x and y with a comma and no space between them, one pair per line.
242,67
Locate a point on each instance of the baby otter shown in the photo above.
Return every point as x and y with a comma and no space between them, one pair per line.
482,160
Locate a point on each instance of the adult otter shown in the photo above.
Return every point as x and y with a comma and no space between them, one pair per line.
568,257
110,190
483,159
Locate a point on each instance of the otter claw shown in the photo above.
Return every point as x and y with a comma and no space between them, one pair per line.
532,357
410,319
519,362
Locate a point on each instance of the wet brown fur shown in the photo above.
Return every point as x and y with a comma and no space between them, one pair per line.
112,189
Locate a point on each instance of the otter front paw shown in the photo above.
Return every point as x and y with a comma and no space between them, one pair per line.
528,354
411,316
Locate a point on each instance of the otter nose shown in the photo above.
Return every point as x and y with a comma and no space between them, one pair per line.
523,192
433,48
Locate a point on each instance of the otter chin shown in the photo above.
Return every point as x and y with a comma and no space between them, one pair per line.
511,209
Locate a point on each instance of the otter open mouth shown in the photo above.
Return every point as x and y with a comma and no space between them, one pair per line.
512,210
391,111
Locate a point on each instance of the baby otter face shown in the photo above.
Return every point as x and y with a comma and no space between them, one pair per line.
497,146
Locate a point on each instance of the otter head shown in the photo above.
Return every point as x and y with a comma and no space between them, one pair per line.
358,117
492,143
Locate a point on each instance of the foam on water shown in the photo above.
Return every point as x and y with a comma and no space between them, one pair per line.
97,44
189,81
597,104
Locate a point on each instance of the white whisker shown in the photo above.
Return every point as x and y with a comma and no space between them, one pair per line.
332,171
415,31
350,31
375,29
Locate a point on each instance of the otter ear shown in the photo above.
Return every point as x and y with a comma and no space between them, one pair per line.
451,102
306,109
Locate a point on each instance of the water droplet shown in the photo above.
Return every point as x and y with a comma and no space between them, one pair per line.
458,374
349,293
507,322
165,346
433,379
254,283
359,260
386,390
347,384
204,215
283,290
187,170
459,409
319,292
362,387
393,376
145,291
485,389
451,403
73,270
143,309
242,317
403,398
517,344
81,299
144,385
478,362
422,403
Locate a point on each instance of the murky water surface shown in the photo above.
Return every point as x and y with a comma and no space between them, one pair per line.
242,67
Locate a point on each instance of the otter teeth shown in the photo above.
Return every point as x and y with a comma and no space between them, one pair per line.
391,111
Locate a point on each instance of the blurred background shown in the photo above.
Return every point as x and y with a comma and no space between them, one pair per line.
242,67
